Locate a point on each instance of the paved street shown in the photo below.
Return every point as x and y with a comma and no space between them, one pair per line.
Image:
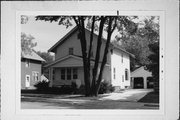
125,100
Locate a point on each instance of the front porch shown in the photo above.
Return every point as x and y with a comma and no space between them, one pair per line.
69,69
62,76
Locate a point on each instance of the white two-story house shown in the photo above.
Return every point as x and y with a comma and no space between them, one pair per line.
68,64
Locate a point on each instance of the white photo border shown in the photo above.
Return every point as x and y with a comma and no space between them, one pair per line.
20,114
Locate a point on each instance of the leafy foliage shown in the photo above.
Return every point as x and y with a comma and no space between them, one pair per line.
106,88
42,86
46,56
138,43
24,19
153,66
27,43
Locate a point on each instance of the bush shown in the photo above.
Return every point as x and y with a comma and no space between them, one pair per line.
42,86
105,88
80,90
66,89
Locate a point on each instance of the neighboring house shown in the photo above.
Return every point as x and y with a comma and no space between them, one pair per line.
68,64
141,78
30,69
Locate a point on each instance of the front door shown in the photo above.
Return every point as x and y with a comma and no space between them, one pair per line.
27,83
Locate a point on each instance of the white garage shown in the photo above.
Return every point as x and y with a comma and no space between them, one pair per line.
141,78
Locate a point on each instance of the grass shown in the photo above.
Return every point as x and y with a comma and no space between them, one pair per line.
152,97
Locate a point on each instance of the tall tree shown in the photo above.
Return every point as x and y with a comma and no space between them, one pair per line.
101,24
46,56
27,43
144,44
153,66
138,43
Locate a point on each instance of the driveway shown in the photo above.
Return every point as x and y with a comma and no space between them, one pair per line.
129,95
125,100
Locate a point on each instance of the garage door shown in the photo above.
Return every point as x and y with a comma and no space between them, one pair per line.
138,82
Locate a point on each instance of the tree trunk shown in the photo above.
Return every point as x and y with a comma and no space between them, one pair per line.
84,55
105,56
92,84
98,49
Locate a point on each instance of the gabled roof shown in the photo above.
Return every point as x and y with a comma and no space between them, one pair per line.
139,68
33,56
52,49
63,39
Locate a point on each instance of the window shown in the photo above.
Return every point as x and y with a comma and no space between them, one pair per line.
62,74
114,72
126,74
27,63
68,73
75,73
122,58
70,51
35,75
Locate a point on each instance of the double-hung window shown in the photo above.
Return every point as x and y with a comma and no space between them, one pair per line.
35,75
126,74
114,73
71,50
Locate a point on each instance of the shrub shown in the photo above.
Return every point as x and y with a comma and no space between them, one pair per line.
80,90
42,86
105,88
111,88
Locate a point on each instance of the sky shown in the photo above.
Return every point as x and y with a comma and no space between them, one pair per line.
46,34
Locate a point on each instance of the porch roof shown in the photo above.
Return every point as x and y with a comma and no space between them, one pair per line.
69,61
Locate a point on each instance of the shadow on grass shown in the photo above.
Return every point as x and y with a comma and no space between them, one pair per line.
152,97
